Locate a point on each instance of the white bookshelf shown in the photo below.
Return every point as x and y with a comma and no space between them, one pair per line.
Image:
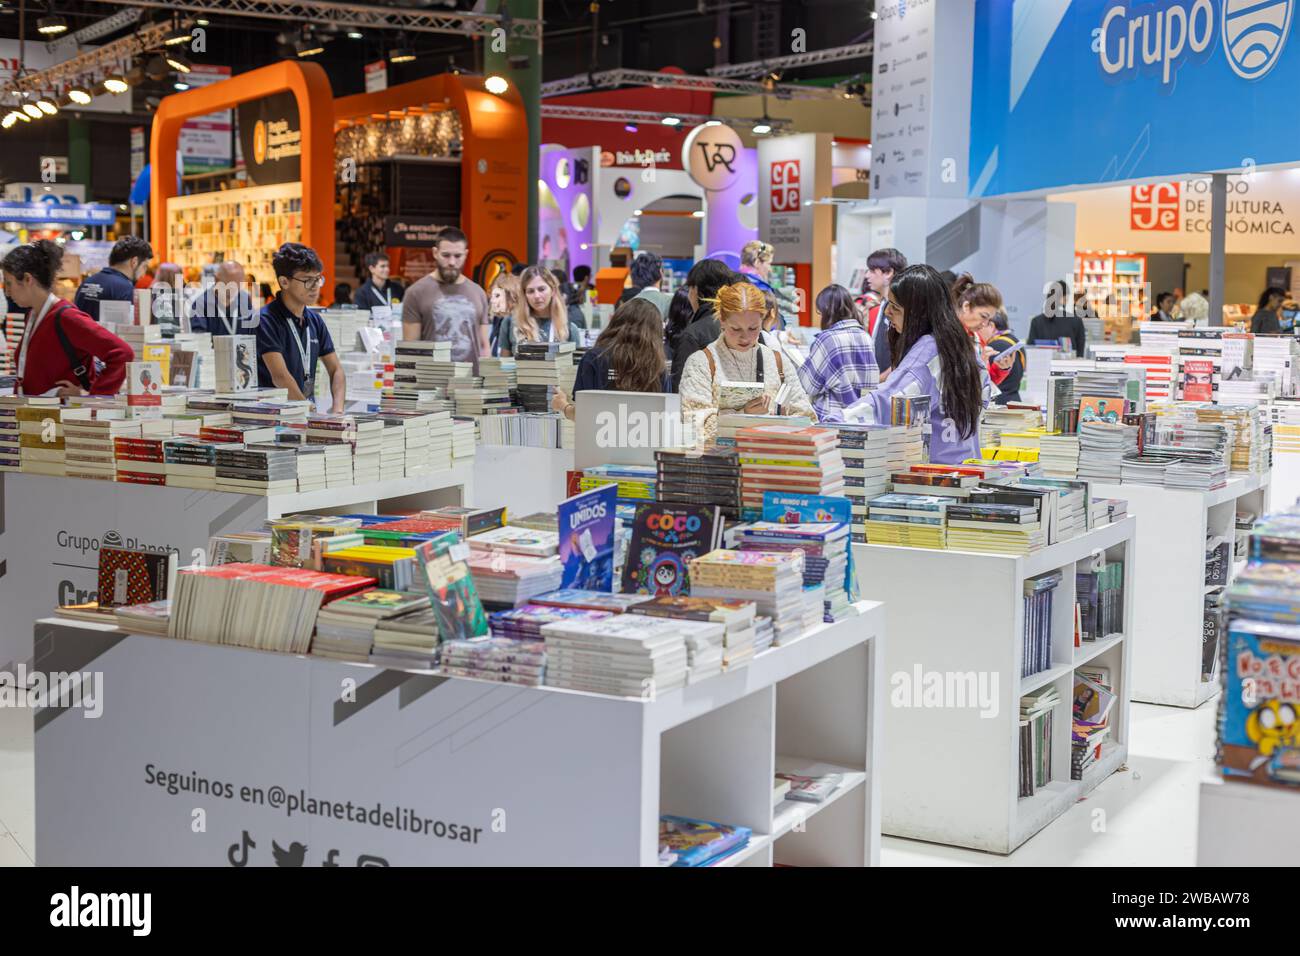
949,774
576,778
1243,824
51,529
1168,600
246,224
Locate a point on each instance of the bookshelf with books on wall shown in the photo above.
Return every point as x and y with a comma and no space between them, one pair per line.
1115,284
1004,650
246,225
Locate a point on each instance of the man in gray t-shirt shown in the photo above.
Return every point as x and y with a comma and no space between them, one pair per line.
445,306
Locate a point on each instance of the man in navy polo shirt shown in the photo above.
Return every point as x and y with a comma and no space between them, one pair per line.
116,281
291,336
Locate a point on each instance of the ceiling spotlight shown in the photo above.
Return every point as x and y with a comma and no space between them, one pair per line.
671,121
19,114
636,212
177,37
156,68
47,105
51,26
713,123
631,127
762,128
401,55
135,75
356,35
873,14
177,62
309,46
116,83
496,84
698,213
9,119
180,86
32,110
203,21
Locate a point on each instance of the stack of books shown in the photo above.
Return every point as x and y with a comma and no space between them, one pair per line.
1093,700
1249,428
914,521
515,540
313,474
636,483
1036,711
463,439
414,366
513,579
1146,469
141,460
40,436
1106,511
1071,511
11,455
502,659
1007,418
192,462
447,372
1277,360
825,549
708,477
407,640
726,643
525,623
684,841
256,470
499,374
1103,448
88,441
864,449
250,605
139,336
345,629
392,450
293,538
530,430
271,414
622,655
999,527
590,600
790,459
1036,636
391,568
367,448
235,357
1059,455
472,396
729,423
773,581
1099,600
15,323
540,369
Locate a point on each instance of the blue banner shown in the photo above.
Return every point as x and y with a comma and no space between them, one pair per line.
1080,92
88,214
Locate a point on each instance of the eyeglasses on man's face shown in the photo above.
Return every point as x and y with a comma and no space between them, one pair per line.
310,282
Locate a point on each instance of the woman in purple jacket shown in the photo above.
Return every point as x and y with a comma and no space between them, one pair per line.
933,356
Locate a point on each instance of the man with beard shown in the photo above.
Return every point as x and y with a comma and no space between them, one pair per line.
445,306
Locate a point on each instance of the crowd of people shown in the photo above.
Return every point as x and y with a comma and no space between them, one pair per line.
911,331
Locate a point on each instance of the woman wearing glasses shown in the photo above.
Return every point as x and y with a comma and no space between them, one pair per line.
291,337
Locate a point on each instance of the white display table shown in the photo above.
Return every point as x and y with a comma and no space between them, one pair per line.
508,775
1242,824
1285,479
526,480
950,767
1168,602
51,530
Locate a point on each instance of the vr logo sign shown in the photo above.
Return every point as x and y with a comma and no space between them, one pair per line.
1158,41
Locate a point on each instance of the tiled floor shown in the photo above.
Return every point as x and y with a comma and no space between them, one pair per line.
1149,808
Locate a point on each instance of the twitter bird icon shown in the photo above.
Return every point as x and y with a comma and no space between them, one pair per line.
293,856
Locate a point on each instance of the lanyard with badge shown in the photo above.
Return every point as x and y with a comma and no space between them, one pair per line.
304,352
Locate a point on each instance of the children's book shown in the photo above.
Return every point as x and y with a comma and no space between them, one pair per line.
586,530
444,566
1259,712
665,539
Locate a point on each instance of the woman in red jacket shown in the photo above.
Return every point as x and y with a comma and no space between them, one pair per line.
61,343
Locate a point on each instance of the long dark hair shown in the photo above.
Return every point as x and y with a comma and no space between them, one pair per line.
634,342
40,259
706,277
928,310
835,304
1269,293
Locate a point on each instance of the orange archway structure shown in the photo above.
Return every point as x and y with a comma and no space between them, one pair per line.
494,157
311,88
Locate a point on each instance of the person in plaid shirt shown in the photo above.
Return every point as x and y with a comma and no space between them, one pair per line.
841,363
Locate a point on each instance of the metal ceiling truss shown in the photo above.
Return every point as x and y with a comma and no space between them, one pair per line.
857,51
557,111
609,79
100,28
352,15
97,62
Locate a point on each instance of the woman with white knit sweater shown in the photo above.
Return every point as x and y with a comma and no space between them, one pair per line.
738,356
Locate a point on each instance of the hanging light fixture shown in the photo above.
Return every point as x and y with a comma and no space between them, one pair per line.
308,44
177,61
116,83
156,68
51,25
79,95
178,36
47,104
32,110
401,55
9,119
496,84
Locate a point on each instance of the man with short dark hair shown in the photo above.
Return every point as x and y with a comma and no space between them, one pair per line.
447,306
378,289
882,266
1164,308
116,281
1058,321
646,272
291,336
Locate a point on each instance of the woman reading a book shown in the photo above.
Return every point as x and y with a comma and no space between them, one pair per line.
934,358
736,372
628,356
540,314
58,351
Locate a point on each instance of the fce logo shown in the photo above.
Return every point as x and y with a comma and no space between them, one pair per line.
785,186
1154,208
1139,39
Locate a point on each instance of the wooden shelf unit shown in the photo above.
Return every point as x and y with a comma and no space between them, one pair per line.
247,225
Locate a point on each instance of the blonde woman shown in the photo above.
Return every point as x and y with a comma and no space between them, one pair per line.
503,297
737,356
539,316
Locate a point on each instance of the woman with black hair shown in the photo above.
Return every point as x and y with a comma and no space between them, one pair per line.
703,282
933,357
1266,318
57,353
679,316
